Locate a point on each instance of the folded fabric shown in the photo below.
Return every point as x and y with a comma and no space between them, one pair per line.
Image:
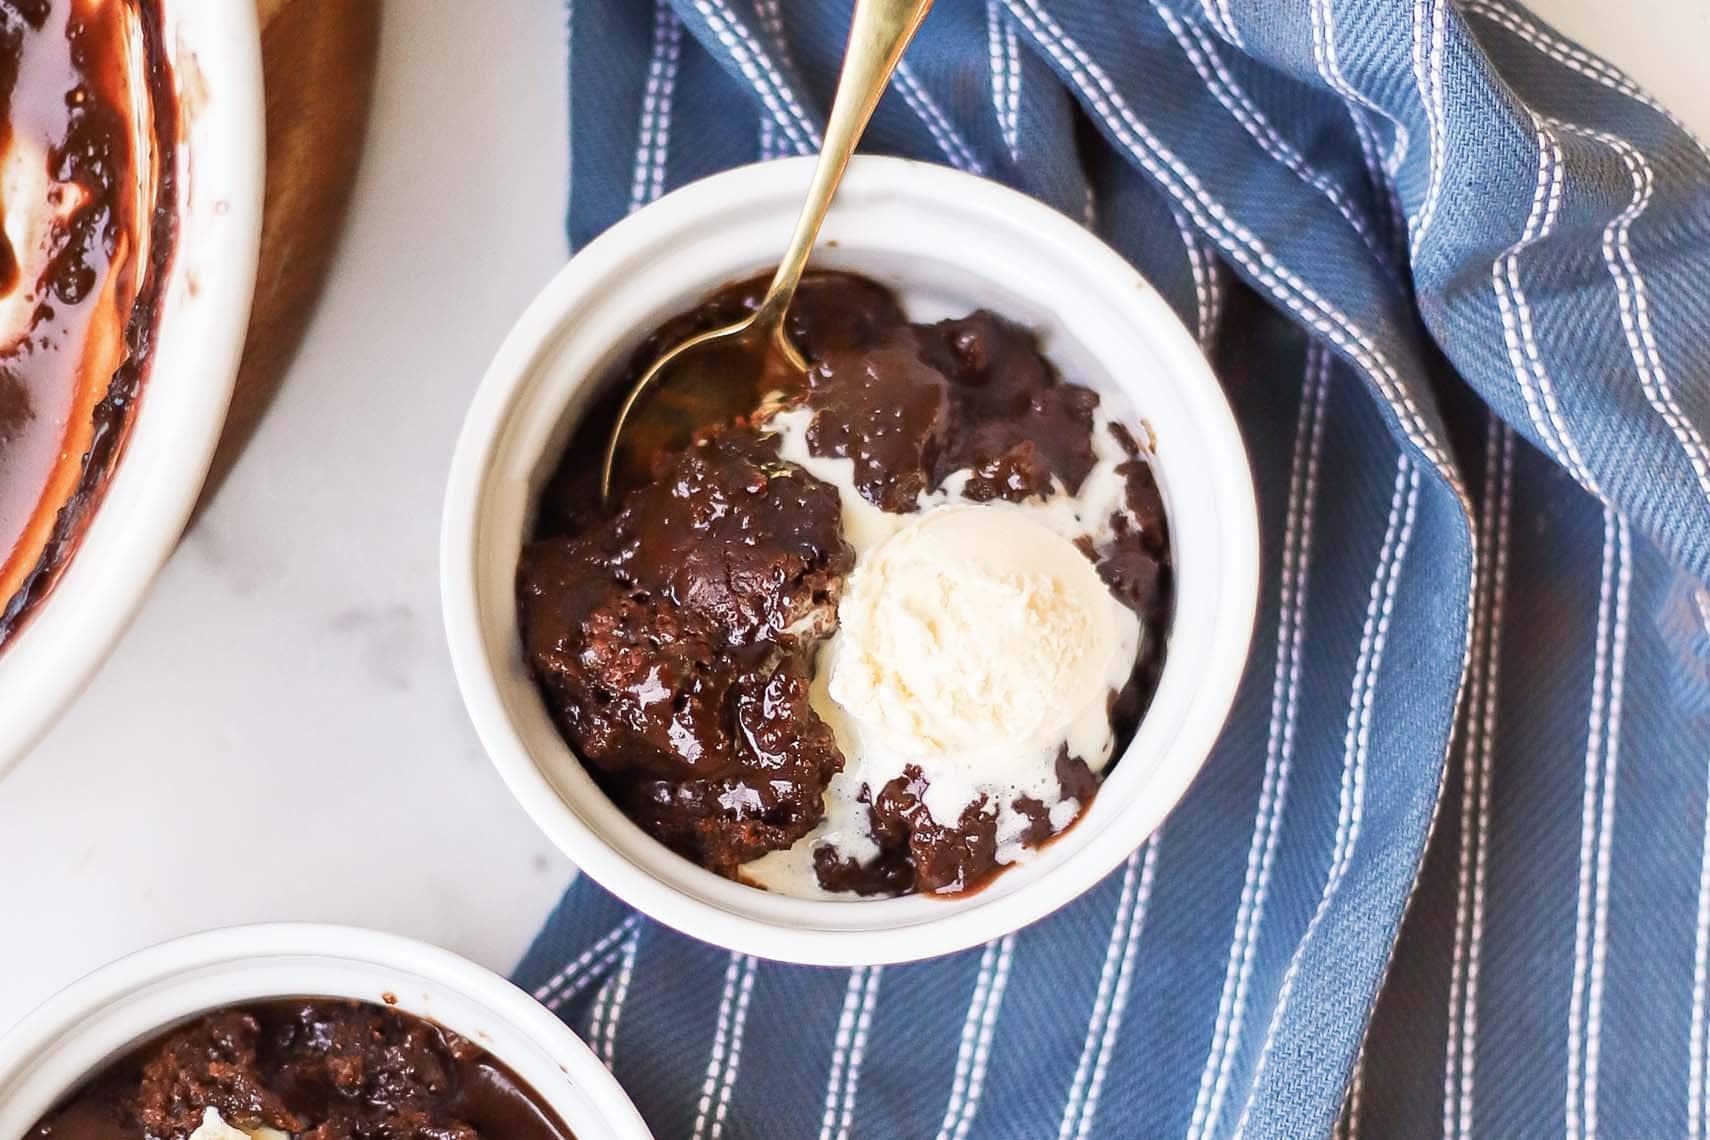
1454,273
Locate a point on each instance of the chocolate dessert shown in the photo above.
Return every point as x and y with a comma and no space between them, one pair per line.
879,635
88,127
318,1069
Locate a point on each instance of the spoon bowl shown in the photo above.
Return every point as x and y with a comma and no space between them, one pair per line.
712,377
879,33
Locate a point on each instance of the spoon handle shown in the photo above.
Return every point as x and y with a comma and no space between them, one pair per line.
878,34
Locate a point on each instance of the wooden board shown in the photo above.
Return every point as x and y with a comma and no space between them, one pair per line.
318,59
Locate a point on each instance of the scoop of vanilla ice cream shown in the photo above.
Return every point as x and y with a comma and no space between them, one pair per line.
973,632
975,642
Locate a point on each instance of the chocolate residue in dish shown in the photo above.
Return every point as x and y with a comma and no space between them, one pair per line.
326,1069
673,636
88,139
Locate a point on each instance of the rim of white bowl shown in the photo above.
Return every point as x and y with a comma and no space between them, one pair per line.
1218,597
69,1037
199,339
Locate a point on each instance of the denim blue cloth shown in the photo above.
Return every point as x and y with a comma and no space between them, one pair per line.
1448,869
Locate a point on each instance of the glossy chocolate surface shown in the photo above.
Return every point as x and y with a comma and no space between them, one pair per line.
673,635
314,1068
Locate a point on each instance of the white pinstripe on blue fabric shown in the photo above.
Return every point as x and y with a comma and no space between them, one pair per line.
1634,302
1696,1078
1351,807
1279,754
1234,239
1202,53
1115,953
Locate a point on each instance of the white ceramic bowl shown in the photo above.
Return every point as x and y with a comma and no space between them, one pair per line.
75,1033
216,56
949,242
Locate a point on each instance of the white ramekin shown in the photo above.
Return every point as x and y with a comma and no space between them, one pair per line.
216,57
75,1033
949,242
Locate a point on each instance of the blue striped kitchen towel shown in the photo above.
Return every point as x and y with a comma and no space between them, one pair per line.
1449,867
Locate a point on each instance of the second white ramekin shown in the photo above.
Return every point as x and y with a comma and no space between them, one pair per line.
69,1038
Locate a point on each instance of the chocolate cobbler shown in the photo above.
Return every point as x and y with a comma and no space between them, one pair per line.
875,634
310,1068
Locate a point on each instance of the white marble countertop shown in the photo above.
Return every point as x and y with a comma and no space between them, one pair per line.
279,735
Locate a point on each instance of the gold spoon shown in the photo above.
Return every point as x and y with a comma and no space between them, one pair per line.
878,34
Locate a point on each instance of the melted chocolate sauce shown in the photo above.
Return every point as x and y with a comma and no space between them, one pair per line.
321,1068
